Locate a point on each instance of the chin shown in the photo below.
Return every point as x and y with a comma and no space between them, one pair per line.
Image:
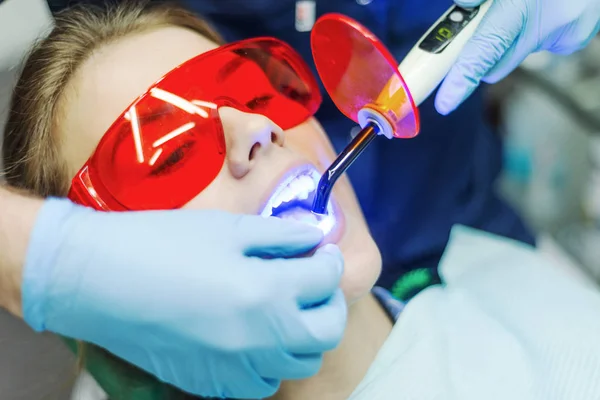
362,268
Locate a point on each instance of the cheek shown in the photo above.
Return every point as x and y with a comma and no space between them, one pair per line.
310,140
225,193
215,196
362,262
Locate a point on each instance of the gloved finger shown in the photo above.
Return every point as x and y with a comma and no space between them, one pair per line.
323,327
584,31
315,278
493,37
245,381
513,57
274,237
522,48
283,365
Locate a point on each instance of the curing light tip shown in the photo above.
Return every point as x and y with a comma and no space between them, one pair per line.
340,165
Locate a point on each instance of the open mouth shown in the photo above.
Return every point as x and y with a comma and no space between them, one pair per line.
293,199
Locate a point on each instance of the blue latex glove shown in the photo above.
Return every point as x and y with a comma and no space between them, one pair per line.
183,295
510,31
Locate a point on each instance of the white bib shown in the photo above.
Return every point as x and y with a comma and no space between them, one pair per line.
505,325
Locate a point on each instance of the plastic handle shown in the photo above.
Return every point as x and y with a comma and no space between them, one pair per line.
423,71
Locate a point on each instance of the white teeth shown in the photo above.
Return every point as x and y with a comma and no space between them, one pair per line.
295,185
287,194
303,195
306,217
298,188
308,183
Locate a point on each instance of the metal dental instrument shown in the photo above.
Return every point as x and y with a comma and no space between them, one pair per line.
363,81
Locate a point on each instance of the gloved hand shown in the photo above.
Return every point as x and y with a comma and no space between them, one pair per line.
184,295
510,31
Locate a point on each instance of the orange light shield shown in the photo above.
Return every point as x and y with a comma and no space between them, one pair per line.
358,72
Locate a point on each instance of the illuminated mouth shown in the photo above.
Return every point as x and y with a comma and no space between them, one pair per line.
293,199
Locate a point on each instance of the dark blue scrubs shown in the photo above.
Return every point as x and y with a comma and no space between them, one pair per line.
412,191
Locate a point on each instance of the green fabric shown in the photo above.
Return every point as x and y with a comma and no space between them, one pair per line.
411,283
121,381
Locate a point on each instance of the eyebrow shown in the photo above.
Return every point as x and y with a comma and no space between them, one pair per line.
242,56
230,67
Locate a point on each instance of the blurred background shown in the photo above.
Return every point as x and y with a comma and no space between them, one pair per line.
548,113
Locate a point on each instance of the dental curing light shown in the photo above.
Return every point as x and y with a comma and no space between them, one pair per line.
362,79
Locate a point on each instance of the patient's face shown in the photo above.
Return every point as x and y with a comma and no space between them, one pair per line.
259,154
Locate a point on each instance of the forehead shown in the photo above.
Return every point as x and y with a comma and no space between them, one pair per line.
108,81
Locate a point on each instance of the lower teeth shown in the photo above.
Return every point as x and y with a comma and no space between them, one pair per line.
299,214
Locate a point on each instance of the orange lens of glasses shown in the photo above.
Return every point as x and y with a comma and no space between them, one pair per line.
169,145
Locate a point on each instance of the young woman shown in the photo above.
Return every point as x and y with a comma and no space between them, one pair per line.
231,128
77,82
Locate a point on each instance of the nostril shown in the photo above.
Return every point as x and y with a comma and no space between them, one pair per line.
277,138
255,148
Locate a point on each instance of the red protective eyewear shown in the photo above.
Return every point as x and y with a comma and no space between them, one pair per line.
169,144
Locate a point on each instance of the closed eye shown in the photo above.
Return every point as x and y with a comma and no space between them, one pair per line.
259,102
169,162
292,93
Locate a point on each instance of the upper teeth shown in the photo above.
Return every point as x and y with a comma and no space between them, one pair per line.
300,187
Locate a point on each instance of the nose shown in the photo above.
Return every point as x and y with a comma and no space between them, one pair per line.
249,137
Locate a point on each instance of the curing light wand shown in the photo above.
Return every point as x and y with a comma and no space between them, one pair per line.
341,164
362,79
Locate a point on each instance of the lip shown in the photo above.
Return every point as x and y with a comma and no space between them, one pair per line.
291,174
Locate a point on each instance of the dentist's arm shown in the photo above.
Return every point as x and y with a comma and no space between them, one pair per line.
17,217
176,292
509,32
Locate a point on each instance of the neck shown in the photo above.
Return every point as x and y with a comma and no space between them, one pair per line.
343,368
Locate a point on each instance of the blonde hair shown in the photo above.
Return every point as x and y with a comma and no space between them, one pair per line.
31,147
